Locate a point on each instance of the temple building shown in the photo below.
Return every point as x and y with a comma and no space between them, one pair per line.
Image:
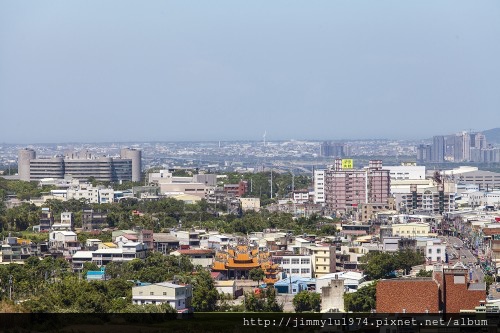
236,262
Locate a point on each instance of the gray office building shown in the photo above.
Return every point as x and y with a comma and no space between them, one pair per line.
438,149
81,166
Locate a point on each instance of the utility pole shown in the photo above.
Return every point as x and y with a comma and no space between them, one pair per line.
10,287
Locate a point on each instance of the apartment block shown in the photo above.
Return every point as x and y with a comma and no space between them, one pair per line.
347,188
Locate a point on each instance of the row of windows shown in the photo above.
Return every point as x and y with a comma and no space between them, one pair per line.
297,271
411,232
295,261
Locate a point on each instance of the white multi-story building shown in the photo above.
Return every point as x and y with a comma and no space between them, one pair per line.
97,194
178,296
435,251
406,171
127,252
481,198
66,222
300,196
65,241
191,238
294,264
79,258
197,185
319,186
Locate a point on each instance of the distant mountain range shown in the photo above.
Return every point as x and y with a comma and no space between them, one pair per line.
492,136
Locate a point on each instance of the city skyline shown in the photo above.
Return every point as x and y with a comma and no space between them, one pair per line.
170,71
339,140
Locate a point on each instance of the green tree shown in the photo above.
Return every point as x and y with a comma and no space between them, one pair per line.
488,280
407,258
257,274
380,265
253,302
424,273
89,266
265,301
363,300
271,304
204,293
307,301
377,265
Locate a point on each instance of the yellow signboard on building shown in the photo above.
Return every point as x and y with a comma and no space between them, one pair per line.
347,164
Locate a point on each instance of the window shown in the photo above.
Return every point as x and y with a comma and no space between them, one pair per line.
305,270
164,293
286,261
151,293
305,261
295,261
430,251
295,271
438,251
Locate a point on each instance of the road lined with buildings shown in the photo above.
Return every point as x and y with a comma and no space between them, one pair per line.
466,257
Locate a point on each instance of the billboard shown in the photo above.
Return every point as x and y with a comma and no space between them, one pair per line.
347,164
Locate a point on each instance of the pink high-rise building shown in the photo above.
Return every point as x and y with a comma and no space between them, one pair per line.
347,188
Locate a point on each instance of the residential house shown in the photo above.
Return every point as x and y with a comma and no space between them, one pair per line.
79,258
202,257
93,220
164,243
65,242
178,296
66,223
127,252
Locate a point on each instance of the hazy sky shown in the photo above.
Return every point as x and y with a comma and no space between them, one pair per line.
222,70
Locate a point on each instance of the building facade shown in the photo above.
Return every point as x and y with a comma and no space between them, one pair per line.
81,166
177,296
347,188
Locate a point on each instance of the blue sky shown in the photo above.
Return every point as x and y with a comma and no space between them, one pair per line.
226,70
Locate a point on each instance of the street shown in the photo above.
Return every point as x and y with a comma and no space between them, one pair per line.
455,248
